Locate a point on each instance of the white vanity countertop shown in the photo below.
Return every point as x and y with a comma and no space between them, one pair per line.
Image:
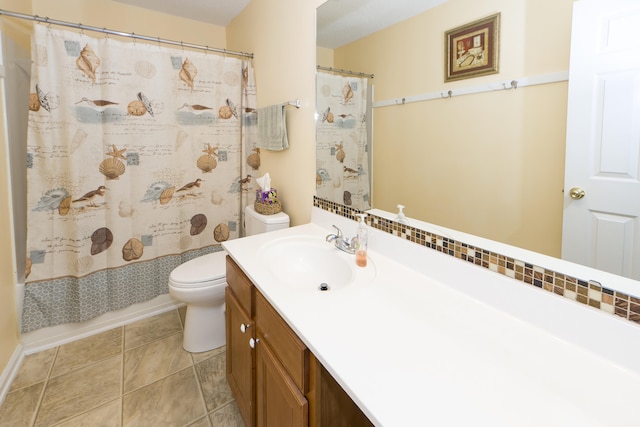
437,341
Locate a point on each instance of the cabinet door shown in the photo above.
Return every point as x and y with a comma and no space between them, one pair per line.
240,363
279,402
334,407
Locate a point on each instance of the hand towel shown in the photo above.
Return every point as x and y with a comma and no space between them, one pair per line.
272,128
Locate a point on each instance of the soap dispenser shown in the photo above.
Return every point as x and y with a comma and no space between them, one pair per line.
400,218
361,242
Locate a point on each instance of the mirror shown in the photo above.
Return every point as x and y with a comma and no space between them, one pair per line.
490,164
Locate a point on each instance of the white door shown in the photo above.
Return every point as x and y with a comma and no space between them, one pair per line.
602,229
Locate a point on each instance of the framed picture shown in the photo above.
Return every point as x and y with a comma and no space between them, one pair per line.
472,49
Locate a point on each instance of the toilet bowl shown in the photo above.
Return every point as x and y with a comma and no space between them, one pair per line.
200,283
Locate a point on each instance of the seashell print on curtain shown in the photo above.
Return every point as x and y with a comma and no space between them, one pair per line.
135,155
342,148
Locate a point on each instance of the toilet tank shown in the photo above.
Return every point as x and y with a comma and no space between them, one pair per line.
256,223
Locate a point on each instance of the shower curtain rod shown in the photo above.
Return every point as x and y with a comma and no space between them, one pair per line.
134,36
349,72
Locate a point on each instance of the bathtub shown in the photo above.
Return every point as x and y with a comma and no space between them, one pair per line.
53,336
19,302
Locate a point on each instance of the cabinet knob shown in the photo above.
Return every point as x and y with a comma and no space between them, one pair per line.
243,327
253,342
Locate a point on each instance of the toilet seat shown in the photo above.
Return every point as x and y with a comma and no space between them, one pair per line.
205,270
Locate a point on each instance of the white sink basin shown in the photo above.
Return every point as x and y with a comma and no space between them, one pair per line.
307,262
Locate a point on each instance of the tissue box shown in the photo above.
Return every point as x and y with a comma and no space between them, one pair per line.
267,197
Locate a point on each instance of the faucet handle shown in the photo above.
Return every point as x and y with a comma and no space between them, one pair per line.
331,238
334,237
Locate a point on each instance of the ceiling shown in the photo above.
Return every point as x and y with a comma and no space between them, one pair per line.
339,21
217,12
344,21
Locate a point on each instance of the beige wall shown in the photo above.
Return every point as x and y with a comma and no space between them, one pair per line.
281,34
324,56
122,17
489,164
9,336
8,322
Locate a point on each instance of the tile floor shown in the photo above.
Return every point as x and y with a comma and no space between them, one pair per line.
134,375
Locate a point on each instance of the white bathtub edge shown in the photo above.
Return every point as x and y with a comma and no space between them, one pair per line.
54,336
19,302
10,371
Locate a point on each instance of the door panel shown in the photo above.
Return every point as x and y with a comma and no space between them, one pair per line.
240,365
279,403
602,229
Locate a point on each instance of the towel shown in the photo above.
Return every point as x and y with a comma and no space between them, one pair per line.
272,128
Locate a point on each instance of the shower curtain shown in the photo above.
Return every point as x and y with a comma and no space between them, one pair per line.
139,158
342,148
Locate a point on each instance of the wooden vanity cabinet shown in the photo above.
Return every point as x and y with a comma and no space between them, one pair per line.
240,329
282,371
275,379
332,406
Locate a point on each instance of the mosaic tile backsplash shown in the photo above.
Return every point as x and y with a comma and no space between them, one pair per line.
586,292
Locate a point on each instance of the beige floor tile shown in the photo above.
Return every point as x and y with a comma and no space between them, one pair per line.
78,391
215,389
19,407
109,415
200,357
82,383
182,311
86,351
227,416
202,422
34,369
151,329
151,362
172,401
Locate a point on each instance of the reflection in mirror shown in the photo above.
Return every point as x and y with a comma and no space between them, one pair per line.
342,139
489,164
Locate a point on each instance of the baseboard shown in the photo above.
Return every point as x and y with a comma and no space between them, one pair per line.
10,371
54,336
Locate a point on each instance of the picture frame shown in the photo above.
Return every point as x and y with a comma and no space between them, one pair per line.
472,50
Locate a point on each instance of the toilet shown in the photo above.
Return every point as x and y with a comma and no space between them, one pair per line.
200,284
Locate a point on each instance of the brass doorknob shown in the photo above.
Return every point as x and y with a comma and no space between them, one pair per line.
576,193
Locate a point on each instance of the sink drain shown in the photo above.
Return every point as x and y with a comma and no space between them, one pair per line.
323,287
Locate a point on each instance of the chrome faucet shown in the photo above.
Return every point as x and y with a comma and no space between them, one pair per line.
341,242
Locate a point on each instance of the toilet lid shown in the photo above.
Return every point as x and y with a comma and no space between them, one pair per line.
205,268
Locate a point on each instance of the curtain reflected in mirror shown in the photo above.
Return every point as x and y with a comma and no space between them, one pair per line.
343,139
